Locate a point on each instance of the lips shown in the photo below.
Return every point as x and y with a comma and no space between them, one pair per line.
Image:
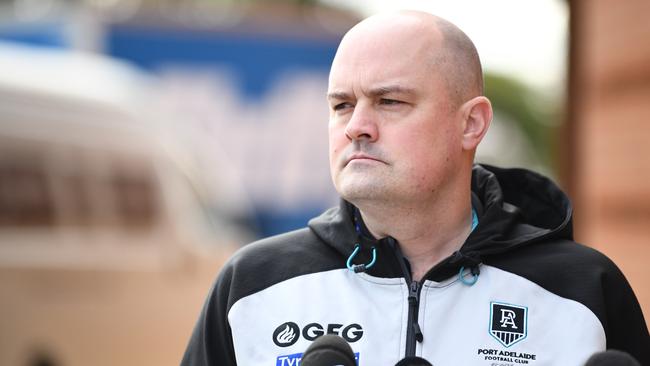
361,157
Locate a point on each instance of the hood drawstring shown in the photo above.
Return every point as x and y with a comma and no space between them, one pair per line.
472,259
474,271
359,267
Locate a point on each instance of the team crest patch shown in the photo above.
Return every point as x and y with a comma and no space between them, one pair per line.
508,322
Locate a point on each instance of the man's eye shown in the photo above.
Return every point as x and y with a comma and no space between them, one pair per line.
389,101
342,106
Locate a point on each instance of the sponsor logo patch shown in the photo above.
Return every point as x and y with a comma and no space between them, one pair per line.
508,322
286,334
294,359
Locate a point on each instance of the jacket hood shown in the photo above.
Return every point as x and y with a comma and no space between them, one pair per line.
515,207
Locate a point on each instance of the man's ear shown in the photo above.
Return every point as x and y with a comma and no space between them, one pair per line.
477,115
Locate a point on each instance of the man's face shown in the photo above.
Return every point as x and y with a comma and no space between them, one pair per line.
393,134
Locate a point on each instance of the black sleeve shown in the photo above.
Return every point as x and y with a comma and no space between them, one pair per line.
211,341
625,327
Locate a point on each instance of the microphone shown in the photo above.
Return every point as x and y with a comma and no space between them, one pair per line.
612,358
328,350
413,361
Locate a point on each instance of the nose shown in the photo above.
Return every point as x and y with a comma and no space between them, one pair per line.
362,125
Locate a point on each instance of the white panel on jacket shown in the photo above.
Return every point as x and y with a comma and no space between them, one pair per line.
505,319
277,324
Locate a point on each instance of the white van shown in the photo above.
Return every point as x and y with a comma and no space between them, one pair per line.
109,233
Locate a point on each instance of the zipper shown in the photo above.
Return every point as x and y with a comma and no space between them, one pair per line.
413,331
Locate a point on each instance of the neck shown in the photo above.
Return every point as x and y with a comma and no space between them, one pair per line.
427,232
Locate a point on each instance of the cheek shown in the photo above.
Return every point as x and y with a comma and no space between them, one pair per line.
430,154
337,142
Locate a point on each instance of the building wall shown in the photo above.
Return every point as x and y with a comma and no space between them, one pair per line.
607,155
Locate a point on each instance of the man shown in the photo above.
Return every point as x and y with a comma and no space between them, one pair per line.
427,254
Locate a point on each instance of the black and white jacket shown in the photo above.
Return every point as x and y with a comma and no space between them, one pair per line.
519,291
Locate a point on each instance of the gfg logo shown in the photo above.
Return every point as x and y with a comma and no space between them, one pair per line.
288,333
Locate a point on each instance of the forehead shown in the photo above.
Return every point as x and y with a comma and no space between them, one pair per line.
395,52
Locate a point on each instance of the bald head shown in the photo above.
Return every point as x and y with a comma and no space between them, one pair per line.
406,114
429,41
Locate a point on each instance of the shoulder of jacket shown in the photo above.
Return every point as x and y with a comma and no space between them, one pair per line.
563,253
282,247
276,259
569,270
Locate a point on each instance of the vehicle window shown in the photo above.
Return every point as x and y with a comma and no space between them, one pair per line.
25,197
135,196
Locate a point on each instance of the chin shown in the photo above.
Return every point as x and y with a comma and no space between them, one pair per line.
358,191
361,184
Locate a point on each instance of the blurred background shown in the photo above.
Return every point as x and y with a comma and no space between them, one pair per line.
143,141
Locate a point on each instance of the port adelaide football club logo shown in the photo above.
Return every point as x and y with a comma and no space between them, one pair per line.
508,323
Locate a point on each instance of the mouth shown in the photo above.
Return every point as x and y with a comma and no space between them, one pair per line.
361,157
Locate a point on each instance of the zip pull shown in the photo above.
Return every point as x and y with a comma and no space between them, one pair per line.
414,299
418,332
414,295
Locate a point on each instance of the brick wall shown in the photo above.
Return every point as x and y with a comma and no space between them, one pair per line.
607,155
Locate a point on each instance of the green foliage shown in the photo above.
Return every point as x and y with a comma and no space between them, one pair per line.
536,116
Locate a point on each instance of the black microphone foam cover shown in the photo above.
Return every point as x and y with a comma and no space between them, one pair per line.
413,361
328,350
612,358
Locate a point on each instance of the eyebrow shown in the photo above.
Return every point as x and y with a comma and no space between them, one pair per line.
376,92
338,96
390,89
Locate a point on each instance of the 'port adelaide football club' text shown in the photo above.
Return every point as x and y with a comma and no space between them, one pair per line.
503,356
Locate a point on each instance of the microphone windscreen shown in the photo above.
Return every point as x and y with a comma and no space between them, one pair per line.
413,361
612,358
328,350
